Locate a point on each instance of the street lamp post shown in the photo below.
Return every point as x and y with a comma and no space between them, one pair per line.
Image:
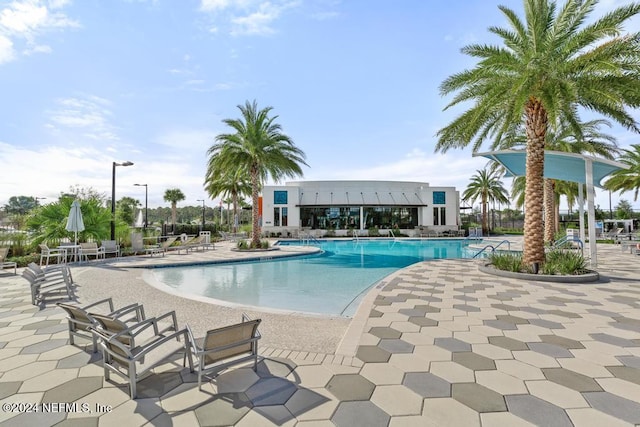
146,203
200,200
113,196
39,198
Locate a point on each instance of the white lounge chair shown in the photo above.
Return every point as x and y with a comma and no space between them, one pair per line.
226,346
110,247
137,245
4,252
91,249
79,319
135,362
46,253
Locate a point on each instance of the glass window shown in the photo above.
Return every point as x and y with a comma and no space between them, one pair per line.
279,197
439,216
285,217
276,217
439,198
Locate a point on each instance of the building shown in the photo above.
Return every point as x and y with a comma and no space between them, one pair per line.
345,206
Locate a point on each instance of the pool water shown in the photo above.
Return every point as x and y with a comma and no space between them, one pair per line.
330,283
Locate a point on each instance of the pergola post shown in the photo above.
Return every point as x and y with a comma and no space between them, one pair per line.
591,214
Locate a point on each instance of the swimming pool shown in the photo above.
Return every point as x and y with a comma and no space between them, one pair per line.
329,283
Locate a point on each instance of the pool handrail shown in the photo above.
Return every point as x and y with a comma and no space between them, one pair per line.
484,249
494,248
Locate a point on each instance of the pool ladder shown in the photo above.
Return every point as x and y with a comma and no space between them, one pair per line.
307,239
493,248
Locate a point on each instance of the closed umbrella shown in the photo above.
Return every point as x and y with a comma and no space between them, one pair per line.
75,222
139,220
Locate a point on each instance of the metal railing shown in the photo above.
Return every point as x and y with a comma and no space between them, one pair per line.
493,248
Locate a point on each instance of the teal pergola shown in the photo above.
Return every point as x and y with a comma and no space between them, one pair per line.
585,170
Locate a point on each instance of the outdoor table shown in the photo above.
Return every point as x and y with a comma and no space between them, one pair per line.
71,251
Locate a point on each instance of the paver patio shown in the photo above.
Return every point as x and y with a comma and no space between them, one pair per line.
438,343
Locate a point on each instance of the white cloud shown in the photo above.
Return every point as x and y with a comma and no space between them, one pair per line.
43,48
256,23
213,5
416,165
7,53
90,114
246,17
27,20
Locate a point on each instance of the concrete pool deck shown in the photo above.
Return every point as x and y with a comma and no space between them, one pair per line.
437,343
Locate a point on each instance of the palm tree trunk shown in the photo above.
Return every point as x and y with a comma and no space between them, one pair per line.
235,211
485,228
255,226
173,214
549,211
536,128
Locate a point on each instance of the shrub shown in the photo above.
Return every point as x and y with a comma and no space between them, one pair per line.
565,263
557,262
373,232
507,261
245,245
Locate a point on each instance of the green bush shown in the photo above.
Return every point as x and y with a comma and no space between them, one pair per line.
24,260
558,262
245,245
507,261
373,232
565,263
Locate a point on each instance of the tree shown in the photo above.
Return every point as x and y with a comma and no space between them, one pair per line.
49,221
561,137
257,147
624,210
20,205
627,179
487,187
227,182
174,195
126,209
550,65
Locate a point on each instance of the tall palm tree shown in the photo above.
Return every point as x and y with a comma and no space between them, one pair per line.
487,187
174,195
550,65
627,179
231,183
257,147
561,137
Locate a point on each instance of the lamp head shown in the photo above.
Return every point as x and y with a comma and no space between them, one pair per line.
140,185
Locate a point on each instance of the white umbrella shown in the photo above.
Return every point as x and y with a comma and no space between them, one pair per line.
139,220
75,222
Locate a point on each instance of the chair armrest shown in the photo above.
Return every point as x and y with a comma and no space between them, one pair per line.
102,301
135,307
192,340
171,314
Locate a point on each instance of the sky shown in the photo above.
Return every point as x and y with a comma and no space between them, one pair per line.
355,84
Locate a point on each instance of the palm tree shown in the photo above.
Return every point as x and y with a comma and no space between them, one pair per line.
562,138
487,187
550,65
48,222
174,195
627,179
227,182
257,148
